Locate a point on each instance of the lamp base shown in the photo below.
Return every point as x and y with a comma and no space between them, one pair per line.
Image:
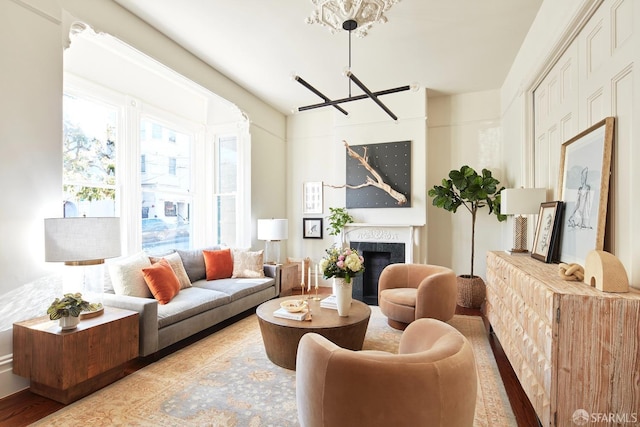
520,234
518,251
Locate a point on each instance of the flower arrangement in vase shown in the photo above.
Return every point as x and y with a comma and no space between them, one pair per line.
342,264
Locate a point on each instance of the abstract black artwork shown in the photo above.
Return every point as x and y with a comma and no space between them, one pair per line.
391,161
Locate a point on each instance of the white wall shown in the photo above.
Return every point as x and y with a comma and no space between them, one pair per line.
32,38
463,130
316,152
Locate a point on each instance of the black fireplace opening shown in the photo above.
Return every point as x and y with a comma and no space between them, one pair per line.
376,257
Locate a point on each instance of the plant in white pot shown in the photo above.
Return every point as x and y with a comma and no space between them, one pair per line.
68,309
338,218
465,187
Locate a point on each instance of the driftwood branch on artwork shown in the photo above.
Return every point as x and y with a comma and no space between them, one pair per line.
378,182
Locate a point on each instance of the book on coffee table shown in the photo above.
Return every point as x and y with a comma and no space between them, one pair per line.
329,302
284,314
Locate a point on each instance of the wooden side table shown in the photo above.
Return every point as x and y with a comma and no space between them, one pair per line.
67,365
288,278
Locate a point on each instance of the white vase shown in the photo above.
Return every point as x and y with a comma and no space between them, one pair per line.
69,322
343,292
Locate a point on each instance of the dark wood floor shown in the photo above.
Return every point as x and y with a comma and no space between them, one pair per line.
24,408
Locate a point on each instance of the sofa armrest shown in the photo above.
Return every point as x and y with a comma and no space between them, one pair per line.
273,271
148,310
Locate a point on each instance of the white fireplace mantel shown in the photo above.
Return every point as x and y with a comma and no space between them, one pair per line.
384,233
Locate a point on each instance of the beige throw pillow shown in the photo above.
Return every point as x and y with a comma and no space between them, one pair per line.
127,278
175,261
247,264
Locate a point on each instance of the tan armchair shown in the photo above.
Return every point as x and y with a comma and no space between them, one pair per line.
407,292
432,381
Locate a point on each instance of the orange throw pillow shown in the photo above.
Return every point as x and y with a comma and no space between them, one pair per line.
218,264
162,281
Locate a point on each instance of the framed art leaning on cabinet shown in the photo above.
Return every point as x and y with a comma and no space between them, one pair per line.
547,230
585,166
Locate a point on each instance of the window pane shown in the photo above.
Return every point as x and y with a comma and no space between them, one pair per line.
227,167
226,211
89,157
226,185
165,167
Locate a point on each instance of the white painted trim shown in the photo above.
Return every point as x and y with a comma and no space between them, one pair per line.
385,233
9,382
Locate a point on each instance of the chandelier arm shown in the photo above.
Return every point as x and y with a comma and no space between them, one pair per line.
354,98
371,95
320,94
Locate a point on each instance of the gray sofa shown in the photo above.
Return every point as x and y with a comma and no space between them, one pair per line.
204,304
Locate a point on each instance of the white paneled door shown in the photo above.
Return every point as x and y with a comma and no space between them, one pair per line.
593,79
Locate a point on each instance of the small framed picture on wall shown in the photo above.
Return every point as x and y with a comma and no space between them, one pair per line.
312,197
312,228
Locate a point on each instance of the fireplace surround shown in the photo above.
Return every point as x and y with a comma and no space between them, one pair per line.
380,245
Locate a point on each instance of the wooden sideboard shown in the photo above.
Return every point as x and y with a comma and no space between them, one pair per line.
571,346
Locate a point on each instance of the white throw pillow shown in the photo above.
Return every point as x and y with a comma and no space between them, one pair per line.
127,278
176,263
247,264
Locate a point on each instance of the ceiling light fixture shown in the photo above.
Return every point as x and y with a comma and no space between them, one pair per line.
350,25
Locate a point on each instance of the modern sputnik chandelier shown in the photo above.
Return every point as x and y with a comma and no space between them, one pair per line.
355,17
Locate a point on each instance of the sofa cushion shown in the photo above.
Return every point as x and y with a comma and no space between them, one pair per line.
162,281
126,275
193,262
218,264
178,268
247,264
236,288
190,302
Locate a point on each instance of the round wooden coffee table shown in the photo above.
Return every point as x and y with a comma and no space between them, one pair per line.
281,336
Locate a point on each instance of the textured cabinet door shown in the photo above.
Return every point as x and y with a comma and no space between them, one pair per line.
571,346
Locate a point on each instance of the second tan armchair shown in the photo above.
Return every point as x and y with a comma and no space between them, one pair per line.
431,382
407,292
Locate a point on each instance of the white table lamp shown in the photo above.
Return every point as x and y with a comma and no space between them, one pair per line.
521,202
272,231
82,242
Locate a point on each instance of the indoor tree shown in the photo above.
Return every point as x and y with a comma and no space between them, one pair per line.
465,187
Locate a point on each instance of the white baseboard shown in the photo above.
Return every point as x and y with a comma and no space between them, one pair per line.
9,382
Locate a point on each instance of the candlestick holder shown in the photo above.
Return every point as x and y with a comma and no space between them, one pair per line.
302,287
316,298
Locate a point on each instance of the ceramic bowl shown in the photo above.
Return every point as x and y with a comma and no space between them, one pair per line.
293,305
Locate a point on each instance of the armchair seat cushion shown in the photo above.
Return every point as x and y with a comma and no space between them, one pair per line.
400,296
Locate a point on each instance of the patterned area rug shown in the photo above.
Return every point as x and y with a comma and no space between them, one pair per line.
227,380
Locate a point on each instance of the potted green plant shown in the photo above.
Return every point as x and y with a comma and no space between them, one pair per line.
338,218
465,187
68,309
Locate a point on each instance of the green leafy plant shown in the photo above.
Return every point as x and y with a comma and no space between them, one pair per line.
337,220
69,305
466,188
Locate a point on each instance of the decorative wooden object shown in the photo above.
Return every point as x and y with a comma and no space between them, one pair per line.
571,346
604,271
67,365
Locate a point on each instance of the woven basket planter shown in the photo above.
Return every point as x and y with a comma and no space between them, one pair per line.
471,291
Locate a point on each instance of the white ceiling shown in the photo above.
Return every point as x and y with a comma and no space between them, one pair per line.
447,46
